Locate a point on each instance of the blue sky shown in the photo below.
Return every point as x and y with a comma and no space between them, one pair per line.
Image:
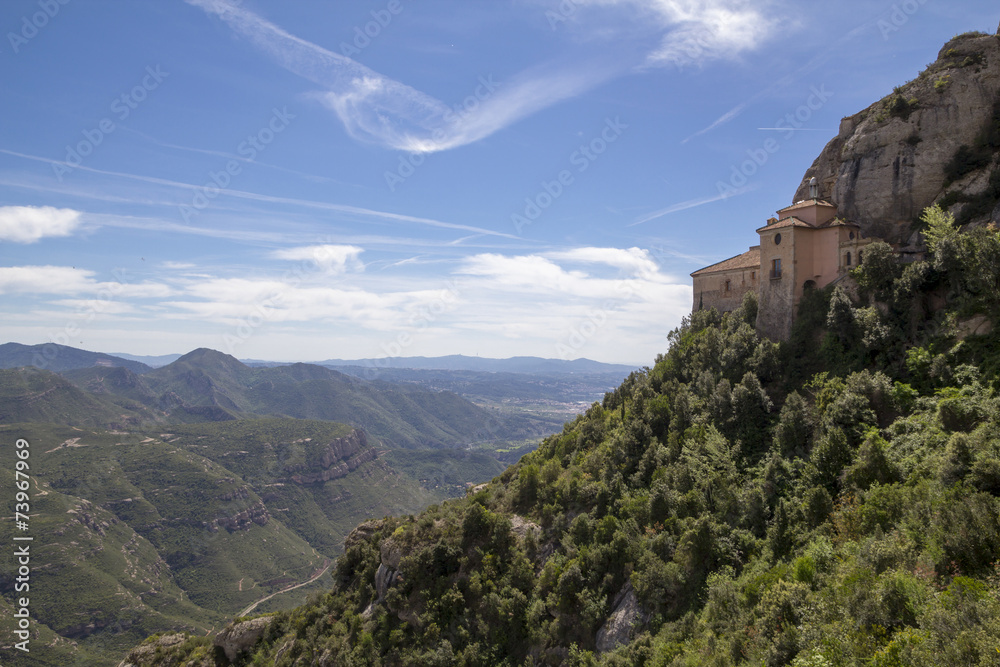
312,180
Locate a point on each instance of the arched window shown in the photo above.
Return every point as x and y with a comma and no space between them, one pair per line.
860,256
848,262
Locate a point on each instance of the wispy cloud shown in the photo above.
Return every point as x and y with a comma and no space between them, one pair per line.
692,203
253,196
28,224
376,108
767,92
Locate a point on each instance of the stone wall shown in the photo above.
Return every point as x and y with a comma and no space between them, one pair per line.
710,290
776,295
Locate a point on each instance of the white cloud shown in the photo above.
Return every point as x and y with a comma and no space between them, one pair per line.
633,260
531,272
376,108
65,280
44,280
97,306
233,300
544,278
28,224
330,258
553,304
695,32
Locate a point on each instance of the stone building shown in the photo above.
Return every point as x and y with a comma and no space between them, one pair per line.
806,246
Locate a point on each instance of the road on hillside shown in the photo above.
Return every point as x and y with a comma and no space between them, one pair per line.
326,566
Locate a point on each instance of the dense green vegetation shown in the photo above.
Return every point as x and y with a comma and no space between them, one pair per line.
140,531
834,500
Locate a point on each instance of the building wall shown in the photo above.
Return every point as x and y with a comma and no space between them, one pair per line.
710,289
776,296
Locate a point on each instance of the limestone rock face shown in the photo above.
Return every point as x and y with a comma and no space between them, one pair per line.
338,458
617,630
148,653
888,162
240,637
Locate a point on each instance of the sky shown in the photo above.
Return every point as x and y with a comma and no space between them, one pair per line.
313,180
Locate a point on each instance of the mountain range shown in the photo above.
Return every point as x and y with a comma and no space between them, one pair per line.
206,385
455,362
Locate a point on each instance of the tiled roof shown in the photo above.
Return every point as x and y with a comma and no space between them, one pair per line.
806,203
748,260
837,222
792,221
786,222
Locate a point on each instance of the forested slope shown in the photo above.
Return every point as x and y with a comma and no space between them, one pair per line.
828,501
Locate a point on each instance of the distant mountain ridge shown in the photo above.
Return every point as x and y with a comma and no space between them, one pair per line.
460,362
58,358
14,355
207,385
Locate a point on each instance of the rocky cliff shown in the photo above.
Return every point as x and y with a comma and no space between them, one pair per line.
335,460
934,139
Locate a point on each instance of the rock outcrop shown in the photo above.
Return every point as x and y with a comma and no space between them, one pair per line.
617,630
152,651
889,162
337,459
239,638
255,514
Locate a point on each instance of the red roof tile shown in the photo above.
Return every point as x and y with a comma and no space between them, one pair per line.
786,222
806,203
748,260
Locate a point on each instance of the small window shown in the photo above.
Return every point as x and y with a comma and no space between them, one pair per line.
753,275
848,262
777,239
775,268
859,256
727,286
851,236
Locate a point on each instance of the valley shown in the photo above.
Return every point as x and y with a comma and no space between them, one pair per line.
178,497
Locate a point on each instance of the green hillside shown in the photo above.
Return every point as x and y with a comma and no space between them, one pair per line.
830,501
32,395
148,531
206,385
59,358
